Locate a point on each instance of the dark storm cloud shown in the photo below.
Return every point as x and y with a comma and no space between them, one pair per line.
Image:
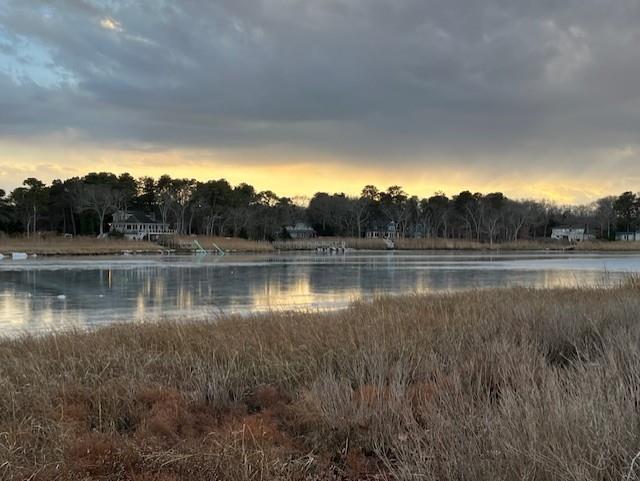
365,77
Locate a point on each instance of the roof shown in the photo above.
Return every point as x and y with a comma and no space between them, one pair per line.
300,226
386,227
138,217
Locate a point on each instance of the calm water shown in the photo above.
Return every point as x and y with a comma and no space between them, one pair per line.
41,294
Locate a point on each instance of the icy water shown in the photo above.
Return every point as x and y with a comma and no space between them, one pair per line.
41,294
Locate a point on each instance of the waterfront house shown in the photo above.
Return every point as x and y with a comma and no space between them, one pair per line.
137,225
300,231
571,234
389,232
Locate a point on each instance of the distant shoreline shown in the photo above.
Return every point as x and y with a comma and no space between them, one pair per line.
87,246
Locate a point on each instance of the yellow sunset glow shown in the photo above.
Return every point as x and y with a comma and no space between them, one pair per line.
294,174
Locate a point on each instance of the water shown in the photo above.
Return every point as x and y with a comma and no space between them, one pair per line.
41,294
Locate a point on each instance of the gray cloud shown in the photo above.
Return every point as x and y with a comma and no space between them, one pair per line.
367,78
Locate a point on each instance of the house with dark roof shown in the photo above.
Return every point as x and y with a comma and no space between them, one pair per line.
300,231
571,234
137,225
390,231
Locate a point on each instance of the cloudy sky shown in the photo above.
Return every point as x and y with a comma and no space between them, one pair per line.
535,98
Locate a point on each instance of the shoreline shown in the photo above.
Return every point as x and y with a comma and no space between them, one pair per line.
370,392
92,246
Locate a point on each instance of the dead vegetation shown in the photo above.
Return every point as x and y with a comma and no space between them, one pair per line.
59,245
51,244
227,244
519,245
314,243
481,385
453,244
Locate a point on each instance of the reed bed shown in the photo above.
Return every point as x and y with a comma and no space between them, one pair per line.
519,245
452,244
618,246
439,244
228,244
479,385
58,245
323,242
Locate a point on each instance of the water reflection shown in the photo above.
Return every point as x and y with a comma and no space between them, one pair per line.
41,294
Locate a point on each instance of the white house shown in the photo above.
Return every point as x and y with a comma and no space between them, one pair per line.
391,232
571,234
137,225
628,236
300,231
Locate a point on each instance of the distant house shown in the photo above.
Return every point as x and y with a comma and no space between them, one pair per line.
571,234
137,225
300,231
628,236
389,232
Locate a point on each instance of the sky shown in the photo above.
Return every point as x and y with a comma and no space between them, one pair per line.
538,99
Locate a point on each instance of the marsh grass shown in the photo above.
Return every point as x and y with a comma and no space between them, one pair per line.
608,246
455,244
228,244
58,245
52,244
312,244
519,245
479,385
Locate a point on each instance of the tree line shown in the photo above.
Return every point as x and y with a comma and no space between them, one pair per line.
85,205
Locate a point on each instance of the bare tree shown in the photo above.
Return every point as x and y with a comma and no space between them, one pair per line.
492,206
181,194
102,199
517,214
360,210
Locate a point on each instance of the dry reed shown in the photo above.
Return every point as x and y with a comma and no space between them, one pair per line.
58,245
480,385
227,244
452,244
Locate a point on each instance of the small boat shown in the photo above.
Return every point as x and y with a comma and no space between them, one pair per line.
18,256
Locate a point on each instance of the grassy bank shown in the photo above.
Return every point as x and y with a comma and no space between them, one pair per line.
454,244
486,385
58,245
74,246
54,245
227,244
312,244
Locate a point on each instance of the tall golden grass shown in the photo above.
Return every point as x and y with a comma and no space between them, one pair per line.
452,244
228,244
545,244
608,246
312,244
58,245
480,385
